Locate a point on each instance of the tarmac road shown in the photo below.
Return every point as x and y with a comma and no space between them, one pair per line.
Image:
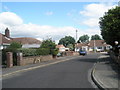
74,73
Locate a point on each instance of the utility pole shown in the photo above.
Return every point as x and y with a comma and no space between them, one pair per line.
76,41
94,46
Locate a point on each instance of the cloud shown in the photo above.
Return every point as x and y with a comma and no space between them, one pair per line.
10,19
19,29
49,13
92,13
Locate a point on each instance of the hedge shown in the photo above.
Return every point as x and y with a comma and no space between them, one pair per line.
27,52
43,51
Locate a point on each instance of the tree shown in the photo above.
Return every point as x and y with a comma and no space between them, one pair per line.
15,45
70,46
67,40
50,45
83,39
95,37
110,26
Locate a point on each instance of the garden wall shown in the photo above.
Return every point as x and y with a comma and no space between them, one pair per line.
36,59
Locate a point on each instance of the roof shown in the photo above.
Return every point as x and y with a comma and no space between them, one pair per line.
22,40
81,44
97,43
5,39
60,46
26,40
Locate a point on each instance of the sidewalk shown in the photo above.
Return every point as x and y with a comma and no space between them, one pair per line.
106,74
16,69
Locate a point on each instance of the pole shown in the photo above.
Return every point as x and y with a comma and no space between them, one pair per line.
76,41
94,46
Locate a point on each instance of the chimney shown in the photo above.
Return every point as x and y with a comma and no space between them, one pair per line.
7,33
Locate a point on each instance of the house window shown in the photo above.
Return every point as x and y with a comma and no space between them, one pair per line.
99,47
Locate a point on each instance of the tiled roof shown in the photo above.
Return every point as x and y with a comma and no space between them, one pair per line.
23,40
4,39
26,40
97,43
60,46
81,44
91,43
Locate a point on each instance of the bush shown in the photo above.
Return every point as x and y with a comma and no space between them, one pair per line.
43,51
15,45
27,51
54,52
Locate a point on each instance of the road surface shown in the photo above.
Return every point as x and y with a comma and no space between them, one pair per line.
74,73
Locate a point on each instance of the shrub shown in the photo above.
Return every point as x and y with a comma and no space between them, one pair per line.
54,52
27,51
43,51
15,45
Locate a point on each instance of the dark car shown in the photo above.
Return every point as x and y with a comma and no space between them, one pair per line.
83,52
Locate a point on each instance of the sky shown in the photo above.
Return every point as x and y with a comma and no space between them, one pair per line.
42,20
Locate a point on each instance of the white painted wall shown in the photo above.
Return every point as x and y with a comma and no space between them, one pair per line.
31,46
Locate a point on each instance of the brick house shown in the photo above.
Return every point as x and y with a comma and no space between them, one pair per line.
27,42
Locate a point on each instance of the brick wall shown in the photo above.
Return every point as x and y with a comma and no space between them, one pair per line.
36,59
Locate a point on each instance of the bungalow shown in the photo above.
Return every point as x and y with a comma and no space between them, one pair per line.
27,42
62,48
98,45
83,46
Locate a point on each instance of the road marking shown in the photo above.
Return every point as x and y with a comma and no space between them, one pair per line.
31,68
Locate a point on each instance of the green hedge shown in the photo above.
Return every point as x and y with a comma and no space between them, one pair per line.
34,52
43,51
27,52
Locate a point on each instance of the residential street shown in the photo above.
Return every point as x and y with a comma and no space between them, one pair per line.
74,73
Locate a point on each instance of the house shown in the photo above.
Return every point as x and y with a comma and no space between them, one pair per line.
62,48
98,45
27,42
83,46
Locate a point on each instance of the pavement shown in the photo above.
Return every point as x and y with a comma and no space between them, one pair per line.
106,74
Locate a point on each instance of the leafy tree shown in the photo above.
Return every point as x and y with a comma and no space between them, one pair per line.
48,44
95,37
67,40
15,45
70,46
110,26
83,39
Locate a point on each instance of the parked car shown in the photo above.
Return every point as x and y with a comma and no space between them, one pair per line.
59,54
82,52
